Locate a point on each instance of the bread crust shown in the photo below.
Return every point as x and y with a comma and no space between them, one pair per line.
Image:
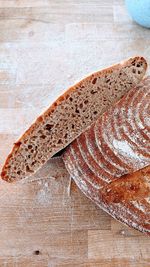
110,161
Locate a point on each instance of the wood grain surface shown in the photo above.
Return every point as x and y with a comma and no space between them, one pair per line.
46,46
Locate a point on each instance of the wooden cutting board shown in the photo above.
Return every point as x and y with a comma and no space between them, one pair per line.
46,46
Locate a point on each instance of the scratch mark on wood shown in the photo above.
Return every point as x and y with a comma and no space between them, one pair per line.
29,180
69,186
31,20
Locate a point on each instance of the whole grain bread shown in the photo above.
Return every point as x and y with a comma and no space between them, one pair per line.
70,115
110,161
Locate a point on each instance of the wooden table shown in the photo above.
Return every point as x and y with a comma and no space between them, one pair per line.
46,46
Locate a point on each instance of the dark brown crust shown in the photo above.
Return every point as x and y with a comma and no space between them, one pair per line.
129,187
50,110
129,214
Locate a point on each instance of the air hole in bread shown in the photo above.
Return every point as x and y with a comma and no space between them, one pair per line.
81,105
134,71
77,111
33,137
94,80
48,127
43,136
93,92
28,169
59,141
72,126
139,72
70,99
29,146
86,102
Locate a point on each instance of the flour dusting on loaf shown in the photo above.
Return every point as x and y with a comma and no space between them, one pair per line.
126,150
110,161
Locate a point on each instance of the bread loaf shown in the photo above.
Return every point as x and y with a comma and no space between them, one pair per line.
110,161
70,115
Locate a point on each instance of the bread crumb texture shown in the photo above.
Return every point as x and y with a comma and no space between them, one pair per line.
70,115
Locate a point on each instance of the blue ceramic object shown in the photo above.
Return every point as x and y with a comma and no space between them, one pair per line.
140,11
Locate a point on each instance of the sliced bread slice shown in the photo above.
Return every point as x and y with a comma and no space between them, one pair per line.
70,115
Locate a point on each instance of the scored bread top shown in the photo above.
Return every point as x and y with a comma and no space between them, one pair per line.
110,161
70,115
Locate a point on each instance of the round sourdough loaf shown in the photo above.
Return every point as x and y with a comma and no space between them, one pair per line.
110,161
